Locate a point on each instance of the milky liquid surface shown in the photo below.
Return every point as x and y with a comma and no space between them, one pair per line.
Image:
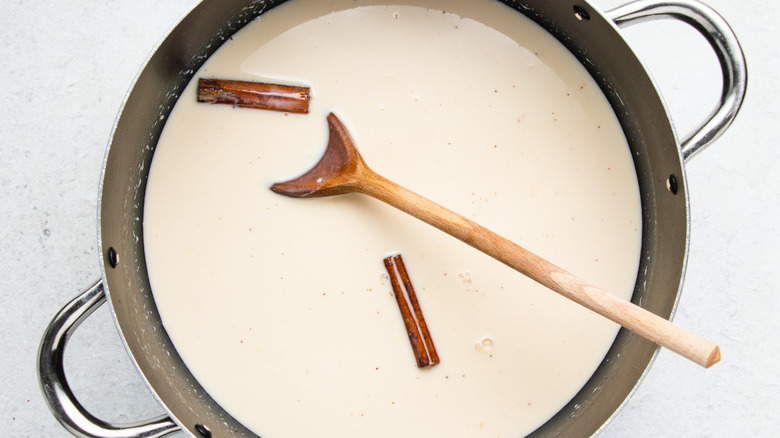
281,308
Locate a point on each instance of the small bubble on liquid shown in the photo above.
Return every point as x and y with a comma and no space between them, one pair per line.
485,345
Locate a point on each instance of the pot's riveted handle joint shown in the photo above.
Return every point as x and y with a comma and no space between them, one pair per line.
726,46
54,385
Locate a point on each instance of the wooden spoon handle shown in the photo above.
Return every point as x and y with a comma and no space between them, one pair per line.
625,313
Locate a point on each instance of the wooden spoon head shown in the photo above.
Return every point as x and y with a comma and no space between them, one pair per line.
337,172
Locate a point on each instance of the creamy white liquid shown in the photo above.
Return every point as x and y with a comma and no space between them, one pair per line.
280,307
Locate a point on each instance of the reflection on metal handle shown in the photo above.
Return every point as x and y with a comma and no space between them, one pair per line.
723,41
60,398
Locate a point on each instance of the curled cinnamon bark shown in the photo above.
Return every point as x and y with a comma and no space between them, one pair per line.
416,327
257,95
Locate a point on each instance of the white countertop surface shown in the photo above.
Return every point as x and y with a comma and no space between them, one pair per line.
67,67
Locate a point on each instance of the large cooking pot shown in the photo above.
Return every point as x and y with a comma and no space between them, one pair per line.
591,36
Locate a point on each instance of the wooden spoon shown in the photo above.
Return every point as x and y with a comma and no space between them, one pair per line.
342,170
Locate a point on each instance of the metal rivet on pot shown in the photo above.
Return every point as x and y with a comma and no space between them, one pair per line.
671,184
581,14
203,431
113,257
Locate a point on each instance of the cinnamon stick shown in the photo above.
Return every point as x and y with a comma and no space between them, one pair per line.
416,327
259,95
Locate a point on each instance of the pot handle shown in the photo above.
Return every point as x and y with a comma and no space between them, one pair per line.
54,385
726,46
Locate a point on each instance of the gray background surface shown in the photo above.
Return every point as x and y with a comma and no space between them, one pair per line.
66,67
